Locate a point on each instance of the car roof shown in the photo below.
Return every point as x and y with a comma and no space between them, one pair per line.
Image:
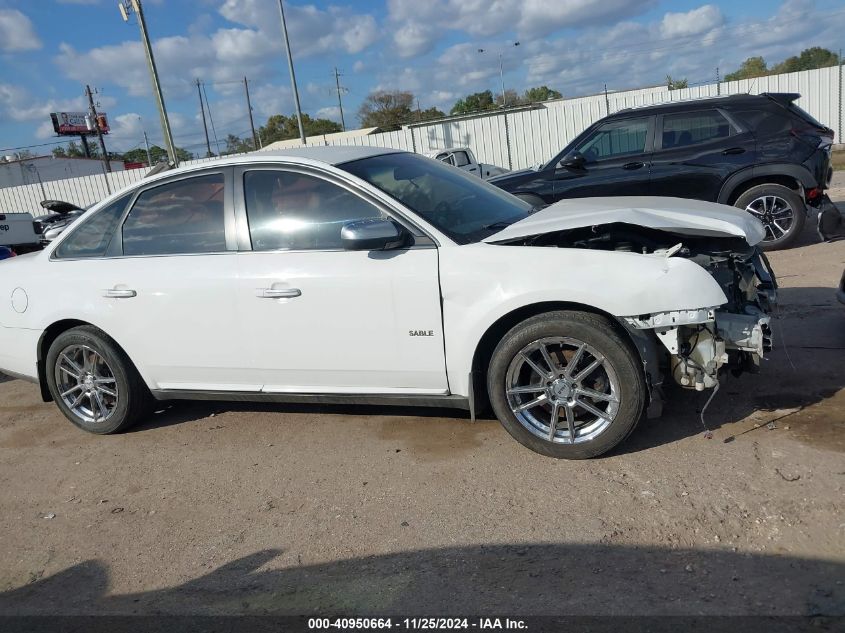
685,104
328,155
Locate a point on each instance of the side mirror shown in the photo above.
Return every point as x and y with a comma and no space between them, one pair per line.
375,234
574,160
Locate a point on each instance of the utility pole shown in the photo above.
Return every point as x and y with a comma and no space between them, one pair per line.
251,122
92,113
135,5
718,83
146,143
840,131
147,147
501,73
339,102
204,126
292,74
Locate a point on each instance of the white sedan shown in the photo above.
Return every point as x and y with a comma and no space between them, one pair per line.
371,275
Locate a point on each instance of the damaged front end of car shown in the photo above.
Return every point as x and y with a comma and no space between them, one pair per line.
701,342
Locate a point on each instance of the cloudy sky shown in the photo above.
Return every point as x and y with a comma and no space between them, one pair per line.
49,49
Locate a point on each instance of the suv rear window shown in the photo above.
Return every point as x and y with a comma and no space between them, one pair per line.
805,116
693,128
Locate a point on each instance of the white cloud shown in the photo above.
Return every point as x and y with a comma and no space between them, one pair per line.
415,38
17,32
312,31
18,104
693,22
332,113
418,25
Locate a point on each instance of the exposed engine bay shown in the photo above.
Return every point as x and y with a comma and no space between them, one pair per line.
702,342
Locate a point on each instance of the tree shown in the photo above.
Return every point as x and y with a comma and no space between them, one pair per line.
751,67
808,59
540,93
281,128
676,84
475,102
74,150
513,99
158,154
429,114
386,110
237,145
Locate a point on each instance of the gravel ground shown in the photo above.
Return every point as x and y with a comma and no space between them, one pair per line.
230,509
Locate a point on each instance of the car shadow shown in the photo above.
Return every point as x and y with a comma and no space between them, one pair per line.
511,579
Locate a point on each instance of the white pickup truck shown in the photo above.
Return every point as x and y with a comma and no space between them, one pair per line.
463,158
17,229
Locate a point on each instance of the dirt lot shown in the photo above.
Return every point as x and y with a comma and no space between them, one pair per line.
213,508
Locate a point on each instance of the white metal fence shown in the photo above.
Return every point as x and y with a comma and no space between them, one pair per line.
514,139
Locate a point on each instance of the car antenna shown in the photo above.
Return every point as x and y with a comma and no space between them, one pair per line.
751,87
160,167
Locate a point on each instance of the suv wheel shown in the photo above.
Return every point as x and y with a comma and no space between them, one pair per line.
94,383
565,384
781,211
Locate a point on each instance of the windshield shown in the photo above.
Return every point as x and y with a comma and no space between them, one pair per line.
462,206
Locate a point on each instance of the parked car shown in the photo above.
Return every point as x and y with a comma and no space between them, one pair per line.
761,153
18,230
355,274
60,215
464,158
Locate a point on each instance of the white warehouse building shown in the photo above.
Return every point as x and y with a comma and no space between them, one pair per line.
15,171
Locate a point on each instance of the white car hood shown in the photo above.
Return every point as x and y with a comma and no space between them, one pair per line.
678,215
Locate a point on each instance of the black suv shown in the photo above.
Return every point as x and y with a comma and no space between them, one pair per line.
761,153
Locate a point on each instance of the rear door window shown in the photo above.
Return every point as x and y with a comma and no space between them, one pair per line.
181,217
694,128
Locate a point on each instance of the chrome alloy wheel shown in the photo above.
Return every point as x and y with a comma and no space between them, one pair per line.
562,390
86,383
776,214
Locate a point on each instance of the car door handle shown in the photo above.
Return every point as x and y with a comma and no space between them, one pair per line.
733,150
280,293
635,165
119,293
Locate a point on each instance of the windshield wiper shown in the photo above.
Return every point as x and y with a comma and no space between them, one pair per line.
498,226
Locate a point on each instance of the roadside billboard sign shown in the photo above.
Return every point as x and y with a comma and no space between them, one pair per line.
76,123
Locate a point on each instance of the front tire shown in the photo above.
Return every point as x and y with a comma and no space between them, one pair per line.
94,383
780,209
566,384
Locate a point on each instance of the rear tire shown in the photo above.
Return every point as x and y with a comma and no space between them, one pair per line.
593,410
780,209
94,383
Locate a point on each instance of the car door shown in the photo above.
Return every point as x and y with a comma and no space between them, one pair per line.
321,319
615,161
695,152
165,290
